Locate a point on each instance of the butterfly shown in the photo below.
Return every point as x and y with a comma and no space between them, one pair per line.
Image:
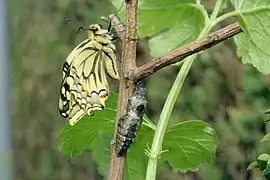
84,87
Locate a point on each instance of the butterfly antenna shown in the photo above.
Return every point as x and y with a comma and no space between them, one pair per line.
80,27
68,19
71,20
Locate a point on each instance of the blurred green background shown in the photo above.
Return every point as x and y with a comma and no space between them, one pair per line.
219,89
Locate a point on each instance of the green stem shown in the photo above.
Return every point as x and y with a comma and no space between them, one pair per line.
167,109
201,8
239,12
216,9
171,99
240,4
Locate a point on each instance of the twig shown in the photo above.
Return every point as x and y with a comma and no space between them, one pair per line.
126,84
181,53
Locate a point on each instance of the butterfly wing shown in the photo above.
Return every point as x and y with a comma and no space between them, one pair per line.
110,61
84,88
69,80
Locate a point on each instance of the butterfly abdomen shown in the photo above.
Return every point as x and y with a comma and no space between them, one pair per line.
129,124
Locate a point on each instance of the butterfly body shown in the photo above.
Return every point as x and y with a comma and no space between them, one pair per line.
84,87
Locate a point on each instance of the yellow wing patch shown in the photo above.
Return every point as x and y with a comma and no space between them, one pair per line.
84,87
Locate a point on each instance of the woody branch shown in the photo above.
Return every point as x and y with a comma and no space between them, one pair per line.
181,53
126,86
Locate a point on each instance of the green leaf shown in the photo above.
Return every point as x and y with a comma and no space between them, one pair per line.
266,111
253,44
136,159
267,120
75,139
267,115
156,16
95,133
182,32
263,157
262,163
190,144
121,10
266,172
266,138
253,165
101,154
172,22
225,4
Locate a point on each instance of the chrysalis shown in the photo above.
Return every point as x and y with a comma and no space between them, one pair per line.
129,124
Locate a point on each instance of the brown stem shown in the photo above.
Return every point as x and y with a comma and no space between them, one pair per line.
127,83
181,53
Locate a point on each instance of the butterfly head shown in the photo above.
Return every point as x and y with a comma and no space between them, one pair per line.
94,27
96,30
